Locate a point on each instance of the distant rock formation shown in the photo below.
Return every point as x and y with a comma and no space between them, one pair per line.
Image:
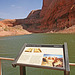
8,22
34,14
55,15
1,19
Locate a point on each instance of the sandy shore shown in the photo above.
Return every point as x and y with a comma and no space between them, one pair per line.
8,33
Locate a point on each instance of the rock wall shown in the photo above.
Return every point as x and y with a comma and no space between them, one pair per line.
58,14
8,22
45,5
55,15
34,14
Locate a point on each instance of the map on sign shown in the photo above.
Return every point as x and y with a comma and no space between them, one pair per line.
42,56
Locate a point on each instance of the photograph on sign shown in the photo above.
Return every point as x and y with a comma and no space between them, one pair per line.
42,56
52,60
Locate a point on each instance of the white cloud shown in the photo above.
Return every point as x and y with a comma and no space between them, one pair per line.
14,6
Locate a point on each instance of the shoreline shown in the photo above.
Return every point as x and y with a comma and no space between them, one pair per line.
15,32
9,33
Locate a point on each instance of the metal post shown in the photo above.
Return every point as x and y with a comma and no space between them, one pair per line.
67,68
22,70
66,73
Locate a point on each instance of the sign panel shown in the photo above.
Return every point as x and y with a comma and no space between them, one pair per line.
48,56
43,56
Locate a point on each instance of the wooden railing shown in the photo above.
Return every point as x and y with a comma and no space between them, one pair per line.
12,59
72,64
2,58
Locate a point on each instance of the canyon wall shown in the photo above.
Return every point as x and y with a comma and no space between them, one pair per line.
58,14
55,15
34,14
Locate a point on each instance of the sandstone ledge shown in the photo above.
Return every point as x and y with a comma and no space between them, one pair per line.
9,33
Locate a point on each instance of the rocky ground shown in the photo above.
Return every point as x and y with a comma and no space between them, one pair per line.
12,31
68,30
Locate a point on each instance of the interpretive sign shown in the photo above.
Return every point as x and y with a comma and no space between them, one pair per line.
42,56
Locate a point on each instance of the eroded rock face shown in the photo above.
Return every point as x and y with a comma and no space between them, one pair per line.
55,15
58,14
34,14
45,6
8,22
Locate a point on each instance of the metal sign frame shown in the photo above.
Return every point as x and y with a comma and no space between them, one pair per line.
66,67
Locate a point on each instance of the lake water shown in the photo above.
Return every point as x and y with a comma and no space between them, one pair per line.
10,47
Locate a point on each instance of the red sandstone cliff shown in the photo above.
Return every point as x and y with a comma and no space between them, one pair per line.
55,15
8,22
34,14
58,14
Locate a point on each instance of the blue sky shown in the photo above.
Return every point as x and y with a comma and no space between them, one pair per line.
17,9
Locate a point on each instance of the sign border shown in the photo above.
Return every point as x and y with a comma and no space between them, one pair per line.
14,64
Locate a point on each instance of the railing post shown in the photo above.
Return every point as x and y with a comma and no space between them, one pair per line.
66,72
0,68
22,70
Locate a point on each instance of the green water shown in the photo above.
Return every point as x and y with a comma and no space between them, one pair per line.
10,47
